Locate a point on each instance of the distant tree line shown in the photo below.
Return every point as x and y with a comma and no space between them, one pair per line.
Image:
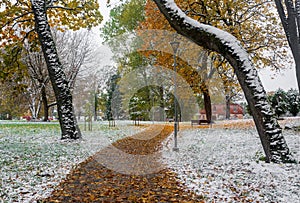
283,102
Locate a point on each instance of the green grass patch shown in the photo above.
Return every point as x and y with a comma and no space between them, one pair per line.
29,125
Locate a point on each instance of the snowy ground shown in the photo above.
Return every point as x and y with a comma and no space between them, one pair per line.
223,165
33,159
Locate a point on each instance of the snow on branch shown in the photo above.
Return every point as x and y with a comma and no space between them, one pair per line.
228,44
229,47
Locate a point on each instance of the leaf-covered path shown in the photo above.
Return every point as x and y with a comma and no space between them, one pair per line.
129,170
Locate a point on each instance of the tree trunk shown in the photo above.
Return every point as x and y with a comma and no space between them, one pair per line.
161,104
228,46
290,19
35,106
204,86
207,104
227,107
45,103
297,61
60,85
95,106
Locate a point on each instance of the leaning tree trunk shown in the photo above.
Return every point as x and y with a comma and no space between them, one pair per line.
296,54
60,85
228,46
297,60
290,19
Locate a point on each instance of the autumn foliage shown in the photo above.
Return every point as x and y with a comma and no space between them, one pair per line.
252,22
17,19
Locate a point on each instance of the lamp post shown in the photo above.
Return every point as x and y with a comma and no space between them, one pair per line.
175,46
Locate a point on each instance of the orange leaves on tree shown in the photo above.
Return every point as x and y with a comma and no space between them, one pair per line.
252,22
157,35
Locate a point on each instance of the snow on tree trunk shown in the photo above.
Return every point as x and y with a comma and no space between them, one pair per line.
228,46
60,85
35,107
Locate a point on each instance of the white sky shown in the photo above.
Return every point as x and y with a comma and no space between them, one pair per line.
285,79
271,81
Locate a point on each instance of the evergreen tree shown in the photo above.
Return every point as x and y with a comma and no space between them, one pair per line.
112,107
293,99
279,102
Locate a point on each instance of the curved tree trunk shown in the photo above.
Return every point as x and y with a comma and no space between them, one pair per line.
60,85
228,46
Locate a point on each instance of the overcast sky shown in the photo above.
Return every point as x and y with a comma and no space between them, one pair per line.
284,80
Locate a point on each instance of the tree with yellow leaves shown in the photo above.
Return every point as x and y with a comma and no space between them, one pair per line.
252,22
29,21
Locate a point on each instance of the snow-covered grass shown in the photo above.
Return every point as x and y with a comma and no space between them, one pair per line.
33,159
218,163
224,165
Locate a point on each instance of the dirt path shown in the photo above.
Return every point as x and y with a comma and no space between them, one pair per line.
127,171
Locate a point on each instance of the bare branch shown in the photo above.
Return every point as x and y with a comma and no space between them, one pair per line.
27,34
15,19
64,8
52,104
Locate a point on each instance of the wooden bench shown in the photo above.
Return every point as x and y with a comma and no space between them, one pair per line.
199,122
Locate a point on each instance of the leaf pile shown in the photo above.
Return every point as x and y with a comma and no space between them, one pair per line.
126,177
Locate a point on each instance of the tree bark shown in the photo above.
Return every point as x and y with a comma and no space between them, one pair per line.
204,86
95,106
229,47
67,120
45,103
207,102
290,20
161,104
227,107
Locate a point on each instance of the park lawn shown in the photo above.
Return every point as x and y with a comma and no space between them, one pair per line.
223,164
33,159
220,163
